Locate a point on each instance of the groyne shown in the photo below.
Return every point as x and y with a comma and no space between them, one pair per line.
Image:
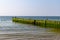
41,23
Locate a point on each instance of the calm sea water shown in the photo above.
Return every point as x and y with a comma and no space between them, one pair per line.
7,18
7,26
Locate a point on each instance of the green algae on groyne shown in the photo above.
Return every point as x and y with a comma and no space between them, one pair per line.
41,23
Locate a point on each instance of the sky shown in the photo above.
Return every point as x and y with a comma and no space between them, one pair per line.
29,7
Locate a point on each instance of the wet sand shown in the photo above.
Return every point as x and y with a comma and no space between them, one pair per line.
26,36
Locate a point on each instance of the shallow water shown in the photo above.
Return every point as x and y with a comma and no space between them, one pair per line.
9,26
16,31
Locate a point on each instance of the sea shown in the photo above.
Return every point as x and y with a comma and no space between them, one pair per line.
18,31
7,26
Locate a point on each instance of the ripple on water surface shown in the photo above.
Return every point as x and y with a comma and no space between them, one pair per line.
9,26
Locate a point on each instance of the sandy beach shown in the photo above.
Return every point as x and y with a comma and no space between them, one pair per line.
27,36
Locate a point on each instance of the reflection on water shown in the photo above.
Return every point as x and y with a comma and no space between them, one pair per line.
55,30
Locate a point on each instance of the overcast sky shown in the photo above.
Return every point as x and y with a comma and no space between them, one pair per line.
29,7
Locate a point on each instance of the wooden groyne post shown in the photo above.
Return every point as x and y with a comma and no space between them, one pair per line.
46,21
43,23
34,22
